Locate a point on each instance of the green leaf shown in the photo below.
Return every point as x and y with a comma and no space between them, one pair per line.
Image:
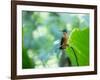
79,41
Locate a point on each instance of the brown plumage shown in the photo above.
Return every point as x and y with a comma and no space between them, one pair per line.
64,39
64,59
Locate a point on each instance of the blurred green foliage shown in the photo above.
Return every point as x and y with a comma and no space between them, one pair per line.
42,32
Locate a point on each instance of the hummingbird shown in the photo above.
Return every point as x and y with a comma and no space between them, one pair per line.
64,39
64,59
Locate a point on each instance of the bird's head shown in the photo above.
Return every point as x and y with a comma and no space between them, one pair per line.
64,32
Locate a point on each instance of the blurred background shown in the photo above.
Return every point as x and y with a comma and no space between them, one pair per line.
42,33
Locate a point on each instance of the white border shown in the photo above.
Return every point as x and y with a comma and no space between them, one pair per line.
21,71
